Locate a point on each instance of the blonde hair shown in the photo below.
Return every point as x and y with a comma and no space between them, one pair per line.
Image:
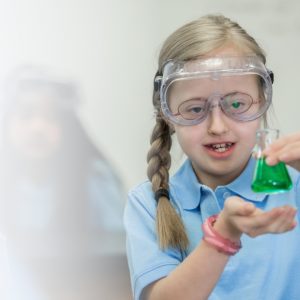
189,42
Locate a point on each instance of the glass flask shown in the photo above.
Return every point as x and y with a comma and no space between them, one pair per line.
269,179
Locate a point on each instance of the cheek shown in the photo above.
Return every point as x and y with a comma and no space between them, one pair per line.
247,132
54,135
188,137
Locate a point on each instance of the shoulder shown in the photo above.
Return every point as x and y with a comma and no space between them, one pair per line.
183,185
144,188
141,198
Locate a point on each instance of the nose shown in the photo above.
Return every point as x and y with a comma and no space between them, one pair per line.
217,124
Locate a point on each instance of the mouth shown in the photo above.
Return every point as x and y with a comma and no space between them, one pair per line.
220,148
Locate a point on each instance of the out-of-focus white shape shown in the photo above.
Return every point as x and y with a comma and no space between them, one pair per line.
4,274
61,200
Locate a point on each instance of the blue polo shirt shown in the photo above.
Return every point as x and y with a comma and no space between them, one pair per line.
267,267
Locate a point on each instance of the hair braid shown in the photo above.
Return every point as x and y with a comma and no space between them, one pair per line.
170,229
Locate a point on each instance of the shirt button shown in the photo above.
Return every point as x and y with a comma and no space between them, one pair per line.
226,195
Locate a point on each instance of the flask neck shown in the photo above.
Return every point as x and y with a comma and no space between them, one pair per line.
264,138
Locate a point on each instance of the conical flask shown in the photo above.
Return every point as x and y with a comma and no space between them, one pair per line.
269,179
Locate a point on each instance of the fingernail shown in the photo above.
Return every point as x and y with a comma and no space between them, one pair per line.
269,161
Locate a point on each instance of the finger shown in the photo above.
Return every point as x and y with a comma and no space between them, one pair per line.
282,141
236,206
265,219
285,222
272,160
288,153
277,220
285,226
291,153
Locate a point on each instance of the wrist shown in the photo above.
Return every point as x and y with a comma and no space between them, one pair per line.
226,229
215,239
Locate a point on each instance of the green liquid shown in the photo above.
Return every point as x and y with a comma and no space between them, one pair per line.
271,179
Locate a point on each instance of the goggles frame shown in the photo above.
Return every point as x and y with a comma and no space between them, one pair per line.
215,68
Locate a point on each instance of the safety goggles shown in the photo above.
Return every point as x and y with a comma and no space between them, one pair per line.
240,86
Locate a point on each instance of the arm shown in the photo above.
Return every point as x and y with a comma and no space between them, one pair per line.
198,274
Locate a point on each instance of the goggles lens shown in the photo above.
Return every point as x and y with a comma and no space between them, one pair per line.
241,88
236,105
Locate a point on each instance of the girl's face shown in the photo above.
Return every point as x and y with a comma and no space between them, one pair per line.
219,147
33,129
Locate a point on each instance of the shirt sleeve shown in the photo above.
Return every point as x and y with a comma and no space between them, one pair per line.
296,181
147,262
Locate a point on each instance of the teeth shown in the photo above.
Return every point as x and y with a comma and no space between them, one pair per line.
221,147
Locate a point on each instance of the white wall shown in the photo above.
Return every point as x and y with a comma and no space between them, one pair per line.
110,49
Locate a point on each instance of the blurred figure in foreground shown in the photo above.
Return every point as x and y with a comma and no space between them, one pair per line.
61,202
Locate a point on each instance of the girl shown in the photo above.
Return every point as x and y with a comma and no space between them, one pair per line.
61,200
50,166
212,90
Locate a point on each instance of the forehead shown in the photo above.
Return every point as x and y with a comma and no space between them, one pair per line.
36,100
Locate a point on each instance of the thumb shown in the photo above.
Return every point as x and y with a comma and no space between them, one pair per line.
237,206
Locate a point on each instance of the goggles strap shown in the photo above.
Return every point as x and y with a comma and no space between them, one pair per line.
271,74
157,81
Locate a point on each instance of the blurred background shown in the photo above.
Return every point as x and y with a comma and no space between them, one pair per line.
76,116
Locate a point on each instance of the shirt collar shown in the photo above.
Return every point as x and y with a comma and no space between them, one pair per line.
186,186
188,189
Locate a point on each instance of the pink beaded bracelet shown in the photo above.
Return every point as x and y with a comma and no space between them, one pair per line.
212,237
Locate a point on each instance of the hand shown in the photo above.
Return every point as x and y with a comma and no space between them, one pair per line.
239,216
286,149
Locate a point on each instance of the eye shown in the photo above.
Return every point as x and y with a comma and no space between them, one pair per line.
192,109
237,103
